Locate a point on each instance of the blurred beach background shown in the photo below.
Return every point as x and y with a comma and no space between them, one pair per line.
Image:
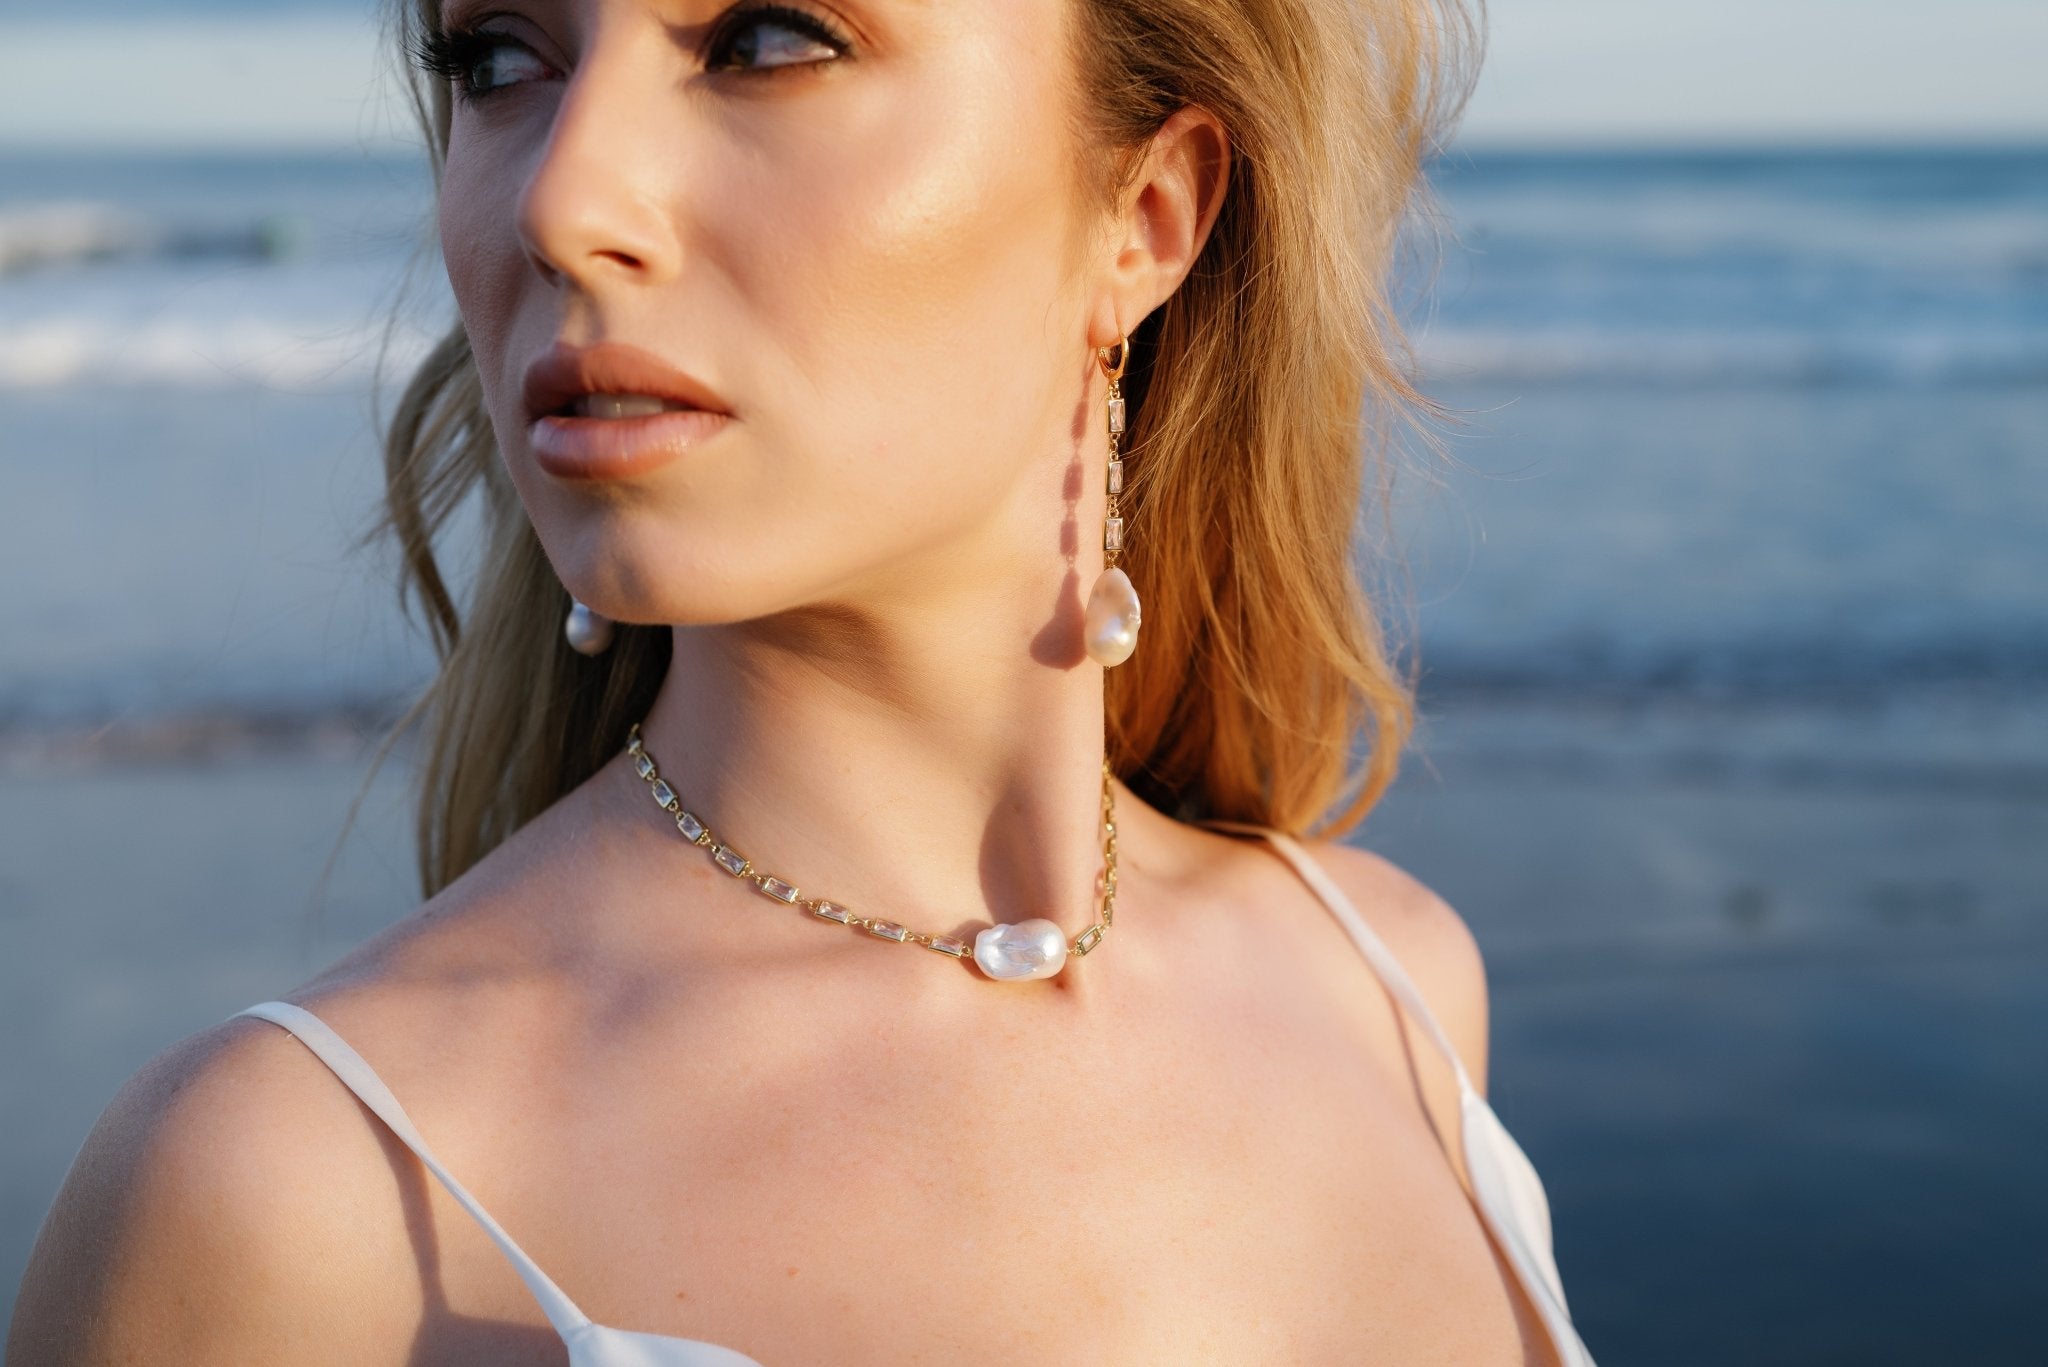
1733,615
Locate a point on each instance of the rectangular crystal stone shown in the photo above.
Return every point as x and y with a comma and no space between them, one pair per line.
832,911
888,930
690,826
1113,534
779,890
644,765
664,794
1116,415
946,944
1116,478
732,861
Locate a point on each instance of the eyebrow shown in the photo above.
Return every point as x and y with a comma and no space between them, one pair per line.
454,13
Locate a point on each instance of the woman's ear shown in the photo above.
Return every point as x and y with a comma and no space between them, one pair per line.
1170,208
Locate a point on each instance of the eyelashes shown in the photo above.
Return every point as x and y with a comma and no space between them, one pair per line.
452,55
751,18
455,54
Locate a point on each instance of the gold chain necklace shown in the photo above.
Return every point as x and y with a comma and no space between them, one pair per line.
1009,951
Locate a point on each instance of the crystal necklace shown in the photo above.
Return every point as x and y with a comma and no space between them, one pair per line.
1008,951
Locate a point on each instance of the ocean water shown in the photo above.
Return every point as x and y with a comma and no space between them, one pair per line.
1732,615
188,348
1887,266
1750,422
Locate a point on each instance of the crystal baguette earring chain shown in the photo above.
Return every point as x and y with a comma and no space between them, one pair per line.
1112,620
588,633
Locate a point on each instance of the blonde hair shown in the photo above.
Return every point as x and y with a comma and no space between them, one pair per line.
1265,397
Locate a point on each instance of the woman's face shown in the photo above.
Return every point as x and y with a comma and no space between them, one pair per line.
859,223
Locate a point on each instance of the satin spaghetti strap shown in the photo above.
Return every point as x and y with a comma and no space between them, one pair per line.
1505,1186
361,1079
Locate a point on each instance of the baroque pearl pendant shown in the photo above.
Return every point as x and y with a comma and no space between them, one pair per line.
1112,621
1015,951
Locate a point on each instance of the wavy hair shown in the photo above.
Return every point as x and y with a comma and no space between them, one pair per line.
1266,400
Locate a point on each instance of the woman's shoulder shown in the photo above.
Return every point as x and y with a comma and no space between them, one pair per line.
1427,935
215,1204
218,1200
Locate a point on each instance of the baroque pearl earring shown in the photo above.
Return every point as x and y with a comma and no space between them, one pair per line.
588,633
1112,620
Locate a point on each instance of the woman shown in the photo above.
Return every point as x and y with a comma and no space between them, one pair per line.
797,348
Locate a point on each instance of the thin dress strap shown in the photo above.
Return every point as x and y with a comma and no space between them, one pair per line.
361,1079
1505,1186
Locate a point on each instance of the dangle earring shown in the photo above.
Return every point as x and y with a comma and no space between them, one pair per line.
588,633
1112,620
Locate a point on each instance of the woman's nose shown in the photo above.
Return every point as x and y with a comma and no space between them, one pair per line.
598,205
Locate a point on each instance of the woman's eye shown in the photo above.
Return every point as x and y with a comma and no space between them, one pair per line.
767,37
498,64
472,61
757,38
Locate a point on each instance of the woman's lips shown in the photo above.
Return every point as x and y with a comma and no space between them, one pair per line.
619,448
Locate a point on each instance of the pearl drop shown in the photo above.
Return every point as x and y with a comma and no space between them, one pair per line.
588,633
1015,951
1112,622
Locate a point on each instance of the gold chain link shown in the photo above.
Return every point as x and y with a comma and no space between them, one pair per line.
784,891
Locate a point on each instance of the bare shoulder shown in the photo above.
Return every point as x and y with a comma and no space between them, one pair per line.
1429,938
214,1214
234,1201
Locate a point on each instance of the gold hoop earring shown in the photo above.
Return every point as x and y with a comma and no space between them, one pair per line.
1113,613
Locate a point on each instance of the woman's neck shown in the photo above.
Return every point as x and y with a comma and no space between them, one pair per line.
940,766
